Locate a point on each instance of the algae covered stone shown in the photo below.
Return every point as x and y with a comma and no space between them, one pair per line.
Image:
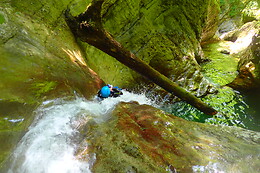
164,34
40,60
141,138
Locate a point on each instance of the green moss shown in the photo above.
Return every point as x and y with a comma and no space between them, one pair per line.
43,87
13,124
15,117
162,33
233,7
222,68
248,10
45,51
2,19
38,54
212,21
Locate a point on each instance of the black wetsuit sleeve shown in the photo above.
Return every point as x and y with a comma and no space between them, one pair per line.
116,92
99,94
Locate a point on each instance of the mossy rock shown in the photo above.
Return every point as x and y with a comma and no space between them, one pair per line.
40,60
251,12
141,138
2,19
212,22
15,118
248,78
166,35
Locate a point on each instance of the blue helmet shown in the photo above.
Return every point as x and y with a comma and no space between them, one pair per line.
105,91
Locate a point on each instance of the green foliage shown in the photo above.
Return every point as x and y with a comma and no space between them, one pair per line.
233,7
251,11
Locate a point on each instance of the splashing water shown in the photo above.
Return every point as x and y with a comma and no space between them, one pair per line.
48,146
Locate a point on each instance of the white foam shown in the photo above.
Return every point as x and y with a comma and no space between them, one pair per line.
48,147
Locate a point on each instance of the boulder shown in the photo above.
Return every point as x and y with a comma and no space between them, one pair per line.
248,78
141,138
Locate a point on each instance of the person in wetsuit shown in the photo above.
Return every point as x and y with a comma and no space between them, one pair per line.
109,91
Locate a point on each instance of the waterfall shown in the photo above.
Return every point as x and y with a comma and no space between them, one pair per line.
48,146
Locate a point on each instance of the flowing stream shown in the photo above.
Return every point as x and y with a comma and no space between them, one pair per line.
49,145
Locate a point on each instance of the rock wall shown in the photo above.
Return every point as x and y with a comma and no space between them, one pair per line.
40,54
244,37
166,34
212,22
248,78
39,60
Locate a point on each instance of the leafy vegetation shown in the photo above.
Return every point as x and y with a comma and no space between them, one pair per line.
233,7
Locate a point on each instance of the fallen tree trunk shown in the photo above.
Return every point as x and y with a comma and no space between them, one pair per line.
88,27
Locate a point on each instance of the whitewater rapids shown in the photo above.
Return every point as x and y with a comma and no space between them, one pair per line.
48,145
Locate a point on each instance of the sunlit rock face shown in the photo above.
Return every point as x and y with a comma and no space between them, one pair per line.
248,78
241,37
251,11
233,62
39,60
141,138
244,45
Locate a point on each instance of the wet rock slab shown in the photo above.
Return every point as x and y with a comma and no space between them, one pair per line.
141,138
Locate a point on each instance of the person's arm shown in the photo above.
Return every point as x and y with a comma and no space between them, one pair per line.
116,92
